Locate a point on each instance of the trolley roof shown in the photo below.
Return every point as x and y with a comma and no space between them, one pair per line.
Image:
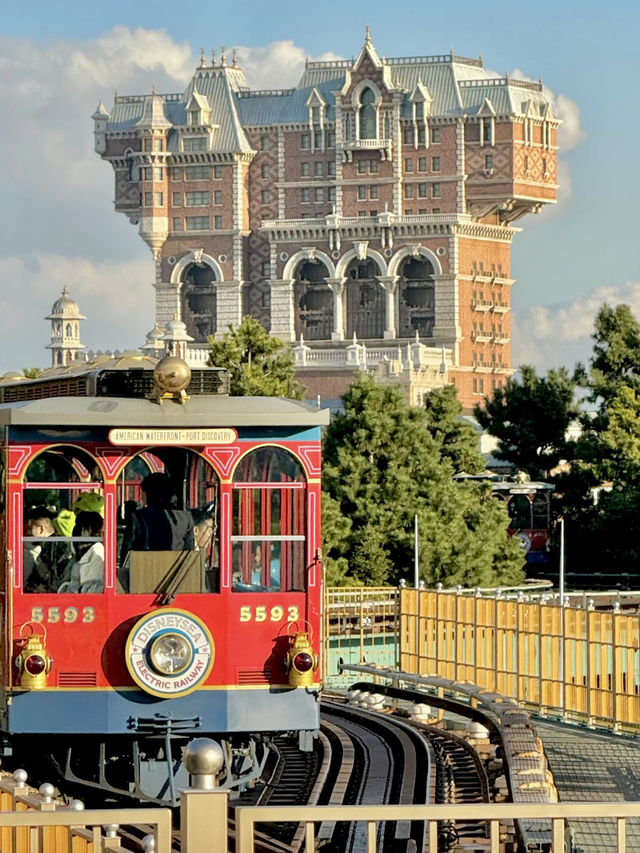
199,411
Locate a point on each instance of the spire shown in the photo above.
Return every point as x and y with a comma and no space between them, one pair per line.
443,363
203,62
367,37
213,58
234,61
65,320
223,56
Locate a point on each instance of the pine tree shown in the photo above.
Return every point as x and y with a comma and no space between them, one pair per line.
386,462
529,416
258,363
456,439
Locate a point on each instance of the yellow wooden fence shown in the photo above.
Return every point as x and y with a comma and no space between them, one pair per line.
577,662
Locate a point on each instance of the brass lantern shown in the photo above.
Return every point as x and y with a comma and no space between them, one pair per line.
33,662
301,661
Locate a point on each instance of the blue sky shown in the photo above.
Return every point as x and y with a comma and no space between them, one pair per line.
58,58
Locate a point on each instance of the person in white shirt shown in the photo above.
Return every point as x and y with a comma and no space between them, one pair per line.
87,573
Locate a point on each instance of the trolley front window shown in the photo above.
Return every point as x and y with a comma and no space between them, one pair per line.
168,524
63,515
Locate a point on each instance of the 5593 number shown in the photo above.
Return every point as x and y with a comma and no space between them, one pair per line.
51,615
269,614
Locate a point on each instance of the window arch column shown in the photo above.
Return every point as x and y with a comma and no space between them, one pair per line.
390,284
282,314
337,286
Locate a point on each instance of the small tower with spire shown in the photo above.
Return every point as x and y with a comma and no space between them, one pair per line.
65,319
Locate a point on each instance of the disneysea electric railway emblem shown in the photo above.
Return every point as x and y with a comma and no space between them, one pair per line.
169,652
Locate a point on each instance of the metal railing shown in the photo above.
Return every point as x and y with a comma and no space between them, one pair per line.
497,815
569,661
360,623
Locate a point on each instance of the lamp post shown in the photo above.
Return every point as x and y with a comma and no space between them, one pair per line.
416,559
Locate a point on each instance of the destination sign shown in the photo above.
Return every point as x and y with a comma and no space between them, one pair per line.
144,436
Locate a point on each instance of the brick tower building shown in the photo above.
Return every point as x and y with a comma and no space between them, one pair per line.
364,215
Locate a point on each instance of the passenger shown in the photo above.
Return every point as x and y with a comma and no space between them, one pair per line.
47,564
204,534
87,573
203,528
158,526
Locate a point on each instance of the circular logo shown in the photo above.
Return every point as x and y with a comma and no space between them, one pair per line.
169,652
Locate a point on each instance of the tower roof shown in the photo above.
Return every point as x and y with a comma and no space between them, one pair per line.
65,307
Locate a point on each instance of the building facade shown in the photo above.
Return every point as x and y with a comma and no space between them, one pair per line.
365,215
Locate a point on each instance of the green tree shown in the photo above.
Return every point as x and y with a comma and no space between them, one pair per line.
600,536
616,354
455,439
258,363
384,463
529,416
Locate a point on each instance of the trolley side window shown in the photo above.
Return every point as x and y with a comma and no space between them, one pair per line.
63,532
168,524
268,541
519,512
541,510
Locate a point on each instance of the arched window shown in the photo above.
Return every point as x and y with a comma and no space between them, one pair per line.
365,300
69,330
167,524
416,295
199,301
540,510
387,125
368,115
63,503
519,512
268,539
313,302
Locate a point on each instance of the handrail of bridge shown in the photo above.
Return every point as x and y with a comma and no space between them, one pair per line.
82,825
494,813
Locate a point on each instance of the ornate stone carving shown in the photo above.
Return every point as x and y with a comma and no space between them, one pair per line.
361,249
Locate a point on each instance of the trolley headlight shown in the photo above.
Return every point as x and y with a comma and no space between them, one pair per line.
171,653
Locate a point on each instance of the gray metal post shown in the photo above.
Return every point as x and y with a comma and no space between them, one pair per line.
416,559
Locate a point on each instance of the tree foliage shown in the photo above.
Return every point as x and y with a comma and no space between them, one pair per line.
455,439
529,416
258,363
601,535
384,463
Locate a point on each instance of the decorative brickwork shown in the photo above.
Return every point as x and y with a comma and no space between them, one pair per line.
375,198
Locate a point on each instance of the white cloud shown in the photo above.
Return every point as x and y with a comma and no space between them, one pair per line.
277,65
116,298
561,334
62,228
570,133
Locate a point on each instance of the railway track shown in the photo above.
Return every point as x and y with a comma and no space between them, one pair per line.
362,757
372,758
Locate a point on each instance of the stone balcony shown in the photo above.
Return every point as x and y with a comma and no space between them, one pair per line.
355,355
385,146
